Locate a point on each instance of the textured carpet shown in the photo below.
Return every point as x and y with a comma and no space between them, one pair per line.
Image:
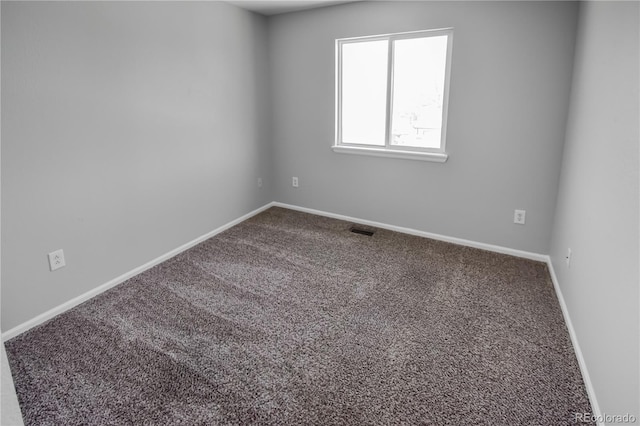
289,318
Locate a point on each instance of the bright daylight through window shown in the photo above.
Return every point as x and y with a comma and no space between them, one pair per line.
391,94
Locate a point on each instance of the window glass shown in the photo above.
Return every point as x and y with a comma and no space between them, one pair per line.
391,94
364,92
419,66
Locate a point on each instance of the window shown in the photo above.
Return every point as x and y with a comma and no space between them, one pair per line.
392,93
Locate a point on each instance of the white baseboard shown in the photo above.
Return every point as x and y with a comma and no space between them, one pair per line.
19,329
576,345
454,240
498,249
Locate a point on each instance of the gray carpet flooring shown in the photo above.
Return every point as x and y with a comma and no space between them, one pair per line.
289,318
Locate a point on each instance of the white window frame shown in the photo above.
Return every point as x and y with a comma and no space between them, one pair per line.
389,150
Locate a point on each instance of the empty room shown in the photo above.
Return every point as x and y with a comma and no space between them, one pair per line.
320,212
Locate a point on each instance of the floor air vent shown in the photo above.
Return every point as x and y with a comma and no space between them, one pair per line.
357,230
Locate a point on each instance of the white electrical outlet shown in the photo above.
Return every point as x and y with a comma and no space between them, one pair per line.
259,182
568,258
56,260
294,181
519,216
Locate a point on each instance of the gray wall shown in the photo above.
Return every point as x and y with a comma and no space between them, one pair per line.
9,407
510,81
597,214
128,129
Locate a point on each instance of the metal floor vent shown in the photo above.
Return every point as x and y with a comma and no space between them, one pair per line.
361,231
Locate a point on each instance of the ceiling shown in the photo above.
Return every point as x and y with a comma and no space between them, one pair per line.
274,7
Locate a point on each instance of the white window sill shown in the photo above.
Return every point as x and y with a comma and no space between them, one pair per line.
438,157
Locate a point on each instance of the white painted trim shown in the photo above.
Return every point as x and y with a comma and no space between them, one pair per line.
410,231
498,249
576,346
19,329
490,247
390,150
437,157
